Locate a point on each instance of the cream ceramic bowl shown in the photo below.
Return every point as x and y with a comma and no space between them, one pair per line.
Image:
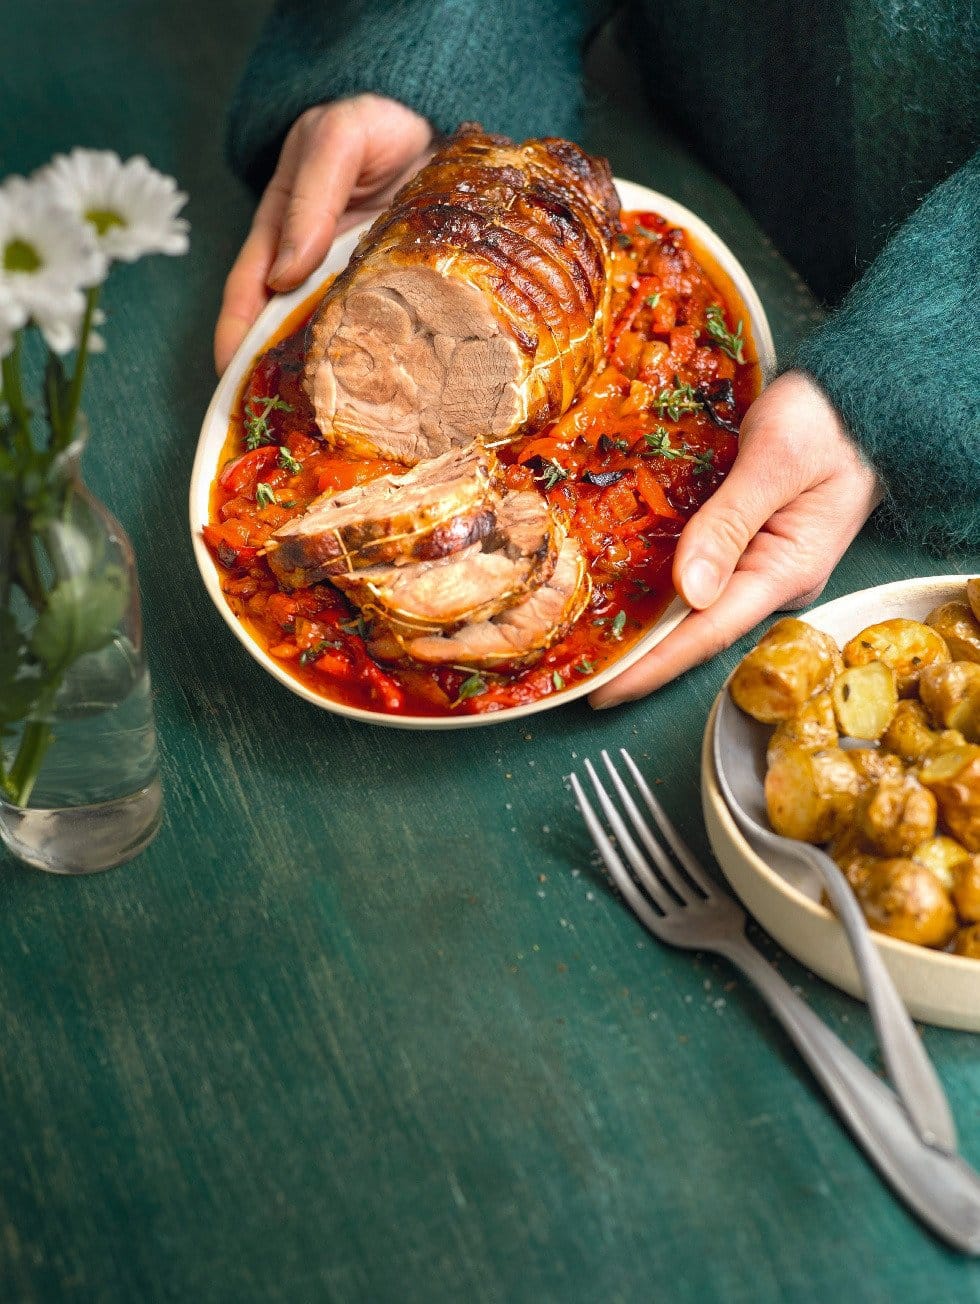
935,986
722,265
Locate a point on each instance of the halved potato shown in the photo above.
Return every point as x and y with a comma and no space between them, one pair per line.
865,698
951,695
811,726
960,630
941,854
954,779
907,901
811,796
905,645
791,662
911,736
897,815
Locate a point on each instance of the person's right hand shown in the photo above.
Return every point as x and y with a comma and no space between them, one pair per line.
340,163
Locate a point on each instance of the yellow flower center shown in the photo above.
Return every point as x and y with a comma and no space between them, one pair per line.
104,219
19,256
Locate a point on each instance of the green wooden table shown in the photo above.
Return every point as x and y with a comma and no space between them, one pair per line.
363,1024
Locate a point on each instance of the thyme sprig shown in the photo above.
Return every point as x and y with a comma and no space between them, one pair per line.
257,428
730,342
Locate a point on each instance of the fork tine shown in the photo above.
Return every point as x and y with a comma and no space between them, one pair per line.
671,836
653,885
621,877
675,881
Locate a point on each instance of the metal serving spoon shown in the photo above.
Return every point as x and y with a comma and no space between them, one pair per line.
739,747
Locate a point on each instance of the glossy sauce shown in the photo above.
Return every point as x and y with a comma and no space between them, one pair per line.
643,445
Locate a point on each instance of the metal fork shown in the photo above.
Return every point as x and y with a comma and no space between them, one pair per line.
680,904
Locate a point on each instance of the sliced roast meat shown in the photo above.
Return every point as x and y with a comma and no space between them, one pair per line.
474,307
437,508
470,585
514,636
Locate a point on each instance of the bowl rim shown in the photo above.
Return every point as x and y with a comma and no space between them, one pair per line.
909,951
214,428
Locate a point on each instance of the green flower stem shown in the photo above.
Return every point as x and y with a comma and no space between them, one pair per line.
25,564
13,392
34,743
78,379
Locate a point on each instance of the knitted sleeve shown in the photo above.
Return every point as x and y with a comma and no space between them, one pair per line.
901,361
512,65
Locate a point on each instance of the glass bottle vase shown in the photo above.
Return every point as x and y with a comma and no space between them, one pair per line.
83,785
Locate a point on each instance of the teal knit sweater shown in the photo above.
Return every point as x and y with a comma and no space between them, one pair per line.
847,127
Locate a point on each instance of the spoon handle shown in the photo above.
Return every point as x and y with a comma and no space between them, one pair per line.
909,1067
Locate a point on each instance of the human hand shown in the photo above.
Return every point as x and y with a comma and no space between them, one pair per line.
768,538
340,163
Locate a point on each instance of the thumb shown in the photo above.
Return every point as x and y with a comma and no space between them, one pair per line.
708,550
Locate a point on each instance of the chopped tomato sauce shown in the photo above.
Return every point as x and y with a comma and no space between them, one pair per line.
647,440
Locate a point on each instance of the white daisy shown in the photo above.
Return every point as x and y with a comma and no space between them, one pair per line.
132,207
47,258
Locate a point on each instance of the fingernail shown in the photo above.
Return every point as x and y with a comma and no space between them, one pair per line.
284,260
700,582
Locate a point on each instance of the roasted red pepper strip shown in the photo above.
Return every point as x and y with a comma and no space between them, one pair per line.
240,475
625,319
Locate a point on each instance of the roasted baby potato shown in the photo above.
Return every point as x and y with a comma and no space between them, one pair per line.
973,596
941,854
874,765
906,900
905,645
951,695
811,795
865,698
911,736
967,942
897,815
811,726
960,630
850,851
791,663
953,777
966,888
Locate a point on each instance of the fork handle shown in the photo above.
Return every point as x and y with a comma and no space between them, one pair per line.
942,1190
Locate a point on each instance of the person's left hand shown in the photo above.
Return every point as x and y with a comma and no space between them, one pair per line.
769,537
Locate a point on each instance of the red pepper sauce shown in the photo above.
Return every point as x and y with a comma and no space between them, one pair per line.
648,439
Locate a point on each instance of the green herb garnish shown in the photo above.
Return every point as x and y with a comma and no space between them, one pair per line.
257,430
618,625
730,342
265,495
471,687
317,650
552,474
658,444
673,402
585,667
557,680
288,462
652,300
356,626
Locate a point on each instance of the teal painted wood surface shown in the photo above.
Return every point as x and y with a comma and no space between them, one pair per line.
364,1023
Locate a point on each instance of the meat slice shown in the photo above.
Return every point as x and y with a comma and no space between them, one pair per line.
470,585
515,636
437,508
474,307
